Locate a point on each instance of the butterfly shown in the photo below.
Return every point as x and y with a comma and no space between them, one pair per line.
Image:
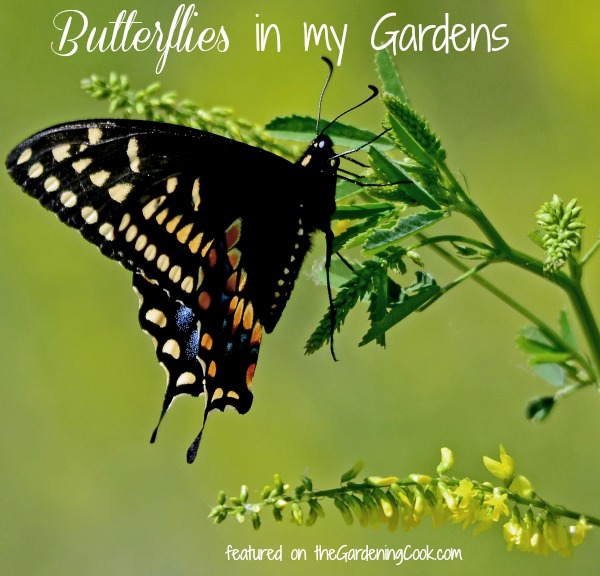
214,231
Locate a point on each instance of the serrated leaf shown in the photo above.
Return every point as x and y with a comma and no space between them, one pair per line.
389,76
355,235
399,312
390,171
539,409
406,226
303,129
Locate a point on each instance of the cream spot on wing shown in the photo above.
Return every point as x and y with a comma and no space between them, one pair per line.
80,165
188,284
99,178
25,155
184,233
124,222
163,263
196,194
195,243
68,199
150,252
218,393
200,276
173,223
149,209
185,378
119,192
171,184
89,214
162,216
36,170
156,317
175,273
131,233
94,135
132,154
51,184
141,242
107,231
234,395
61,152
171,347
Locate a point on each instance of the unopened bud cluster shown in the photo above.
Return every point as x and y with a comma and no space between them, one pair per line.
562,226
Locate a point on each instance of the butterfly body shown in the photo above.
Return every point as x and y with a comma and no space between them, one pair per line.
215,232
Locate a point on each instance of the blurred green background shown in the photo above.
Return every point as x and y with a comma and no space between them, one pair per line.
82,491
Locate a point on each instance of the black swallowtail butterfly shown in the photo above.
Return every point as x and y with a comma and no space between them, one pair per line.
214,231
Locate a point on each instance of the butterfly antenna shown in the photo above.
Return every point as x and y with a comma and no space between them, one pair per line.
330,66
373,95
341,154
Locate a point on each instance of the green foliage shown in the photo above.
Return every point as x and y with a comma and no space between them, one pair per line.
530,524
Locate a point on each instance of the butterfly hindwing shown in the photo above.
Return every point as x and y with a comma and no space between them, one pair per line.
215,232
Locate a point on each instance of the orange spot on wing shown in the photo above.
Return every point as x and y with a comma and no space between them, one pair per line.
232,234
248,318
212,258
231,282
237,315
233,304
256,334
250,375
212,369
204,300
206,341
234,258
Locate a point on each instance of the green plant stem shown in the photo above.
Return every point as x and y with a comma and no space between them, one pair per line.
570,284
590,253
504,297
350,488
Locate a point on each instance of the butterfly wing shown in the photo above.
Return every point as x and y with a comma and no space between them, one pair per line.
214,243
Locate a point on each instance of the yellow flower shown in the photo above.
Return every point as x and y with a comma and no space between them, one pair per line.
464,491
503,469
513,533
497,504
557,537
522,486
579,531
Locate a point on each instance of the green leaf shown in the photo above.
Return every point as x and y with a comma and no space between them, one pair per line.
550,358
566,331
353,472
412,132
389,171
540,408
389,76
407,226
303,129
359,211
345,189
552,373
400,311
352,236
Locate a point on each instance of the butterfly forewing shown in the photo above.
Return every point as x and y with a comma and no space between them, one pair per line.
215,232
